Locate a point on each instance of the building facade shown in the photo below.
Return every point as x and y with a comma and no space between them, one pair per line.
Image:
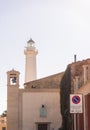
76,80
81,86
37,105
3,123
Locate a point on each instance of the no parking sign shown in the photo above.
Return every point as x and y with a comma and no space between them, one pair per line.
75,103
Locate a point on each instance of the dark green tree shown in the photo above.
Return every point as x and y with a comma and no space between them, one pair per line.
4,114
65,90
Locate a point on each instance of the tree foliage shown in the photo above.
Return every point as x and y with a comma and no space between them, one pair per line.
4,114
65,90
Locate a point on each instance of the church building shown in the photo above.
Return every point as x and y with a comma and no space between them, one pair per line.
37,105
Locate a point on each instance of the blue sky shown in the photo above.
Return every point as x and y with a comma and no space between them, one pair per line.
60,29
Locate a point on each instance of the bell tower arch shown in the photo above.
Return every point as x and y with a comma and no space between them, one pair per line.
13,100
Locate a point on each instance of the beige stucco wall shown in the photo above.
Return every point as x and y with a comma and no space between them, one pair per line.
30,69
3,123
32,102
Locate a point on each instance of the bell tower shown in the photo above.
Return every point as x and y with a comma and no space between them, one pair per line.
13,100
30,63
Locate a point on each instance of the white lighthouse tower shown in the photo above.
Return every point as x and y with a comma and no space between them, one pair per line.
30,63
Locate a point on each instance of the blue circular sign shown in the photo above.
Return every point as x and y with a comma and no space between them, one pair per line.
76,99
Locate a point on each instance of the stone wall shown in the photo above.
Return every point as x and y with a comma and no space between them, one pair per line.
76,75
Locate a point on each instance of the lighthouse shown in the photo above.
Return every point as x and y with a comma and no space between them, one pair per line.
30,61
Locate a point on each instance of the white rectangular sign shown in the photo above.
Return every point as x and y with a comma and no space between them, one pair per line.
76,103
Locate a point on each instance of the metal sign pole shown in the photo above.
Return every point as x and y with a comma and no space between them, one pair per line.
75,108
75,128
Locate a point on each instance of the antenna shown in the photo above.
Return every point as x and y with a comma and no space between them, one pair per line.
75,58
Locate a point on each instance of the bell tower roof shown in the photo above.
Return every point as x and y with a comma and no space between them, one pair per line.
30,41
31,45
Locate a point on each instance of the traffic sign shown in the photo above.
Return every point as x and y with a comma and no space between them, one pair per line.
76,99
75,103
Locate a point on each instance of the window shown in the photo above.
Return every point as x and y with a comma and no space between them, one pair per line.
13,80
43,111
3,128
